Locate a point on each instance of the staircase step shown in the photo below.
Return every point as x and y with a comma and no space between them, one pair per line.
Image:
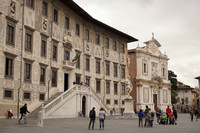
34,114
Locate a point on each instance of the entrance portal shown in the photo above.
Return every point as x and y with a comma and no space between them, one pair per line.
66,82
83,106
155,101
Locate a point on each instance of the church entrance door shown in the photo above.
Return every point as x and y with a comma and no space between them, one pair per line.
155,101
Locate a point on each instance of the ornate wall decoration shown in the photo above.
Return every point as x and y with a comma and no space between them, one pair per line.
154,69
12,8
145,94
87,47
45,25
165,96
122,59
107,53
67,38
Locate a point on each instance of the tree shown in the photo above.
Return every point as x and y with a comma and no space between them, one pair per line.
172,77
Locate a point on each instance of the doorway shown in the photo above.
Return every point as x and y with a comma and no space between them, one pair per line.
66,84
155,101
83,106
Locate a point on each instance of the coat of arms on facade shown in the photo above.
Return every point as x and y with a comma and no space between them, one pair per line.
12,8
44,24
67,38
107,53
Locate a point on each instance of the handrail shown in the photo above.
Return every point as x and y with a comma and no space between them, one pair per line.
58,100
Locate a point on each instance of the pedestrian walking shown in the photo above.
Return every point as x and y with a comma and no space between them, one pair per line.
102,115
175,114
92,116
140,115
147,117
197,114
23,111
168,112
158,114
192,114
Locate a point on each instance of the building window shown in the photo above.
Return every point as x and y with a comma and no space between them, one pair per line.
123,102
67,55
114,46
87,35
27,96
98,86
55,52
87,81
97,39
42,97
87,63
107,87
115,89
77,30
9,67
66,22
10,36
123,72
144,68
107,68
123,89
27,71
108,101
54,77
116,102
178,99
42,75
98,66
44,8
122,48
28,42
30,3
8,94
55,15
43,48
78,78
186,100
107,43
115,70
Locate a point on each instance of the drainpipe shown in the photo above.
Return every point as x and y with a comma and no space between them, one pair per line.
22,42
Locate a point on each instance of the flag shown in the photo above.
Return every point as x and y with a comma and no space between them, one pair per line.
77,57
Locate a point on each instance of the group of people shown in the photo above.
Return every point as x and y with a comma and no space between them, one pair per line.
102,116
149,116
194,112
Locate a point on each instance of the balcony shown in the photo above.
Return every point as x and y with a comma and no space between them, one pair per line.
68,65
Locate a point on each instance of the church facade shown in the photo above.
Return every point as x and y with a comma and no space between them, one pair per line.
149,76
40,40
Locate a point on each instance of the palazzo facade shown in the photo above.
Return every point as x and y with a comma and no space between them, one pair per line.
149,76
39,40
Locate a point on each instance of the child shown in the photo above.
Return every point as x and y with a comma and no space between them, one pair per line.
140,115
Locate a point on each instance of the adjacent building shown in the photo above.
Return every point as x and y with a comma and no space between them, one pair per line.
39,40
149,76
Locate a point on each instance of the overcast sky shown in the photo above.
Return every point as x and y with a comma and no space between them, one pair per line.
175,24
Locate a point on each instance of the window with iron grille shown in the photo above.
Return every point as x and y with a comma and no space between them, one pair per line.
27,72
8,94
10,34
43,48
98,86
27,96
107,87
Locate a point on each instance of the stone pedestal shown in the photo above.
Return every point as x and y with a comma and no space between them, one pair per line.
129,107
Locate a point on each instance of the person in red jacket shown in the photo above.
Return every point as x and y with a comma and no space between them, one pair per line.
168,112
192,114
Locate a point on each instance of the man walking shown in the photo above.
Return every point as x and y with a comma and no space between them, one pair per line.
23,111
140,115
158,114
92,116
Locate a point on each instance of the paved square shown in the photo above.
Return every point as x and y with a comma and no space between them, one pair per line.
112,125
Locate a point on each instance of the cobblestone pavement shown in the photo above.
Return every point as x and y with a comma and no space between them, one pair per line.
112,125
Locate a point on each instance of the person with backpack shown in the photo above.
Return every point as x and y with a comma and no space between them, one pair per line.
140,115
102,115
147,117
23,111
92,116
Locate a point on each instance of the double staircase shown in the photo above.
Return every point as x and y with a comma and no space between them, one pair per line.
69,104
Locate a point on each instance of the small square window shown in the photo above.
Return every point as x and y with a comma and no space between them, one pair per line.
27,95
8,94
42,97
123,102
107,101
116,102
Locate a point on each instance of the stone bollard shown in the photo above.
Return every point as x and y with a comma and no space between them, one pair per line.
40,119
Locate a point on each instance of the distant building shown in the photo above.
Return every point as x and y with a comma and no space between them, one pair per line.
198,93
39,40
198,78
186,97
149,76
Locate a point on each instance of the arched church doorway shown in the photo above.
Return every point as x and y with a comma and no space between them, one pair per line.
83,106
155,101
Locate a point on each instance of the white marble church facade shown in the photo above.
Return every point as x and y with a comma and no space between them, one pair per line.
149,76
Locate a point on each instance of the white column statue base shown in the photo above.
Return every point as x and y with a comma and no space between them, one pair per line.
129,107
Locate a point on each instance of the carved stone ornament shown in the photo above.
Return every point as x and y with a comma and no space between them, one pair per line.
87,47
129,86
122,59
67,37
44,24
12,8
107,53
155,90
